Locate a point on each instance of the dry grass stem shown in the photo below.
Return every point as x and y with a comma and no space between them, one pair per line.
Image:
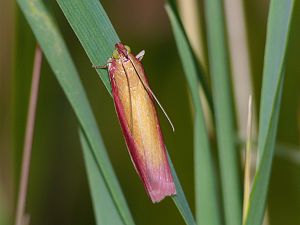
21,217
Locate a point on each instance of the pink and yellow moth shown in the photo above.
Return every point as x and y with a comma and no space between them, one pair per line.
134,104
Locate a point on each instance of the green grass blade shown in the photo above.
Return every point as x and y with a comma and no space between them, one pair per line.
61,63
279,20
207,209
94,31
90,23
188,52
248,156
180,200
224,117
280,14
104,208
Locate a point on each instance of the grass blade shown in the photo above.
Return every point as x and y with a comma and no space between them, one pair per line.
248,156
239,63
280,15
97,36
191,18
187,52
207,209
276,44
180,200
221,88
61,63
104,208
94,31
23,52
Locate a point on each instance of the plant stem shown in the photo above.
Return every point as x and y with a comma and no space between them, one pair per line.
20,213
247,175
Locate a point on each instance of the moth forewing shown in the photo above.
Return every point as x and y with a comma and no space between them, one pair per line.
139,122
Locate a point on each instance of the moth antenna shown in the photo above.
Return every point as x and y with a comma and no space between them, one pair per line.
160,106
140,55
148,89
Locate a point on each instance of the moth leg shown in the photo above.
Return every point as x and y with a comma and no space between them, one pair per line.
140,55
100,67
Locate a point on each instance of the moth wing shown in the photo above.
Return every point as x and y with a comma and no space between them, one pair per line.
144,139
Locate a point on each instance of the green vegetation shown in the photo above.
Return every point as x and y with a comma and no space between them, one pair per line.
80,170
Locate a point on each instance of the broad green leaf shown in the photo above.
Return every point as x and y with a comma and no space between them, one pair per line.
279,20
224,116
55,50
105,210
97,36
207,209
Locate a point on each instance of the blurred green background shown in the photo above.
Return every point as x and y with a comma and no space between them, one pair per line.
58,190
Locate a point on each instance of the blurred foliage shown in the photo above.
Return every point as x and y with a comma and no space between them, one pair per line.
58,189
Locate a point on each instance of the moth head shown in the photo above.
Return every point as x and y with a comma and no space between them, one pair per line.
121,50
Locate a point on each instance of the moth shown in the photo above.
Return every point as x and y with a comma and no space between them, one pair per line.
134,104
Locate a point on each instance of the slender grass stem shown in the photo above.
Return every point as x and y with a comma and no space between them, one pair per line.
247,176
21,219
